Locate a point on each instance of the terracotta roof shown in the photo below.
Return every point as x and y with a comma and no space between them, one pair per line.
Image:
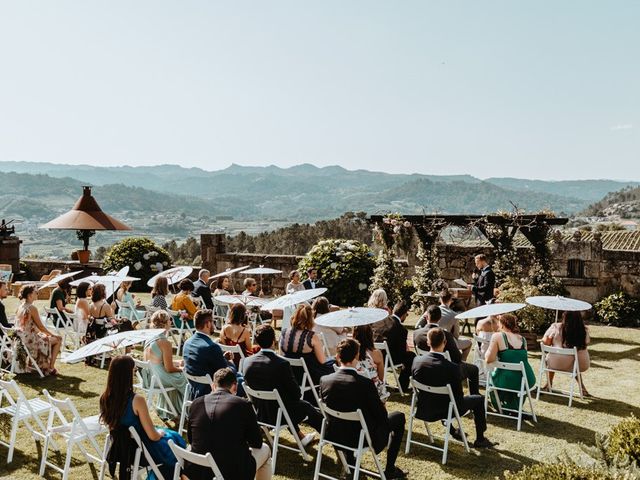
622,240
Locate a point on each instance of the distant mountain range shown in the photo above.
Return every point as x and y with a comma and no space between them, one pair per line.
624,203
300,193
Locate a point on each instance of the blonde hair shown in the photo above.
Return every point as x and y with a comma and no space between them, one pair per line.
378,299
160,319
302,318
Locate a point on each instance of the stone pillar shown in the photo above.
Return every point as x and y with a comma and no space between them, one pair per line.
10,252
211,244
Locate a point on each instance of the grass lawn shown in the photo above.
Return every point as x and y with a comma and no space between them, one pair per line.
612,379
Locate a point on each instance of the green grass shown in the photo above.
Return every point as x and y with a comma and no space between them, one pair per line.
612,379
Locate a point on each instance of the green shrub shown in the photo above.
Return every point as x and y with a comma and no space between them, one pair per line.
345,267
622,442
559,471
144,257
618,310
407,291
530,318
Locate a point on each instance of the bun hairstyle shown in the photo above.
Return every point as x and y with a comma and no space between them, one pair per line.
26,291
509,322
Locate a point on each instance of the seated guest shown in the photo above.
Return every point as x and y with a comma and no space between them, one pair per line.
226,426
43,346
267,371
129,302
332,335
434,370
202,356
294,285
378,299
420,340
159,293
201,289
223,286
449,322
250,287
60,297
508,346
346,391
570,332
182,301
4,293
393,331
235,332
83,292
312,280
300,341
101,316
370,359
121,408
159,353
485,328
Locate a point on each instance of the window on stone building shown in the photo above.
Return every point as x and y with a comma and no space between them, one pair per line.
575,268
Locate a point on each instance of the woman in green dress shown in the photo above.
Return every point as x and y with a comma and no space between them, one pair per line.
508,346
159,354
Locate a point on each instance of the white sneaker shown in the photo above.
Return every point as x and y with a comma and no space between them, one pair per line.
307,439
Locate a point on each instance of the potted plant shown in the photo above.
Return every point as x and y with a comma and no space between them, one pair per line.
84,254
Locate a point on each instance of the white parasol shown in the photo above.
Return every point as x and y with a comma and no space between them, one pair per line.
111,343
294,298
352,317
58,278
261,270
246,300
491,309
173,275
229,271
559,303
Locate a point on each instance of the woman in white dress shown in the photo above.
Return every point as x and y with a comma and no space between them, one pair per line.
83,293
332,336
294,285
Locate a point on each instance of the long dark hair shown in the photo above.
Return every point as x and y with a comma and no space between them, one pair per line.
81,290
238,314
364,335
113,402
160,287
99,292
574,333
320,306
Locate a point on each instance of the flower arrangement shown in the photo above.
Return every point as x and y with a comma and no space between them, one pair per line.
345,267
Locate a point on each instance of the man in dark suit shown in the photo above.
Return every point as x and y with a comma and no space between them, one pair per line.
267,371
485,282
420,340
4,293
312,280
393,331
202,356
347,391
201,289
226,426
434,370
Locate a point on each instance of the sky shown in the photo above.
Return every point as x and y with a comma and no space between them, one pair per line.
539,89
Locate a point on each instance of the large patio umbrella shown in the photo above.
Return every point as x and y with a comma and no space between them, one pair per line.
352,317
86,217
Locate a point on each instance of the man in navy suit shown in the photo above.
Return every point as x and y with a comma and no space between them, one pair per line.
485,283
312,281
202,356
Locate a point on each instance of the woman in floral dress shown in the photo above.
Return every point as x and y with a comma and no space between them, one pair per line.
42,345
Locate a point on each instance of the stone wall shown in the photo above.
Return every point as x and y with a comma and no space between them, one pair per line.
36,268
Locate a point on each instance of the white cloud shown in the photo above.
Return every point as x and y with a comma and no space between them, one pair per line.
624,126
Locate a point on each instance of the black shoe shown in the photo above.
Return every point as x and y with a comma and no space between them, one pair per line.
396,473
455,433
483,443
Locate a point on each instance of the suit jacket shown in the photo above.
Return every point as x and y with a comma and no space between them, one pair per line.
203,291
308,286
484,285
202,356
3,317
420,341
268,371
434,370
225,426
347,391
392,330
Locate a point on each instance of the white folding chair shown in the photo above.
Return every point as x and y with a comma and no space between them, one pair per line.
276,428
389,364
22,411
183,456
478,359
306,385
153,389
446,354
452,413
325,348
142,450
64,327
12,344
179,332
524,392
574,374
75,431
364,445
188,397
233,349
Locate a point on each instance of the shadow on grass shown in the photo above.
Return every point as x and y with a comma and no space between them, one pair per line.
614,341
63,385
594,404
631,354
